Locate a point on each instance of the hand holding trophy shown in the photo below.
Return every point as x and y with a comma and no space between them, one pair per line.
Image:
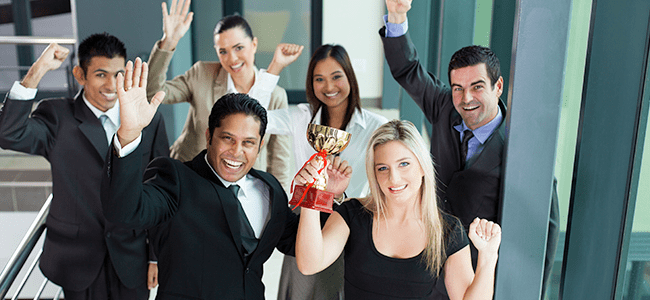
326,141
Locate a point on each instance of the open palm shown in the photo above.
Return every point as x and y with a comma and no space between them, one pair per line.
136,111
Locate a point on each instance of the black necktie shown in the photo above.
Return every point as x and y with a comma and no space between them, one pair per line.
467,135
249,242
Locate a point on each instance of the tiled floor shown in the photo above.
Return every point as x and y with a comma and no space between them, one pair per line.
25,181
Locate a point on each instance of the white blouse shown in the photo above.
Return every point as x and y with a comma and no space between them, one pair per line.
294,121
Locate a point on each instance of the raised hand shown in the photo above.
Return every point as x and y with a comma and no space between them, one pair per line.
135,111
284,55
51,59
175,23
339,173
397,10
485,235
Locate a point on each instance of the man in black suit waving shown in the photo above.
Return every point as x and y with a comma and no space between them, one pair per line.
83,253
468,124
223,218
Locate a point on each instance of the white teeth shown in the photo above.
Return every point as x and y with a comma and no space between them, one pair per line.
332,94
398,188
232,163
237,66
470,108
109,95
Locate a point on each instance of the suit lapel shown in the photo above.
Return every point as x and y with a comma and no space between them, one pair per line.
226,197
90,126
220,83
490,157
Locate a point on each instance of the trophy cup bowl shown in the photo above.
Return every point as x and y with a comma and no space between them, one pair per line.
326,141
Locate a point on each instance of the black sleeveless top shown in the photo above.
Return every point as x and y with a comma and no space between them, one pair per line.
372,275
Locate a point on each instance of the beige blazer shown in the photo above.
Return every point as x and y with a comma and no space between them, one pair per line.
201,86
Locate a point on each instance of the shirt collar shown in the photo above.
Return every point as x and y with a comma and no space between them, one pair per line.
484,132
230,85
242,182
113,114
357,118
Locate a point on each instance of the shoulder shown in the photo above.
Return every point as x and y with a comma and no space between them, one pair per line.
373,120
56,103
352,209
203,67
455,235
279,94
267,178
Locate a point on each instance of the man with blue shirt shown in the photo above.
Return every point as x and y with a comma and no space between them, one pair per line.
468,131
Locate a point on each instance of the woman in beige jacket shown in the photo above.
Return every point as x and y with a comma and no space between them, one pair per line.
205,82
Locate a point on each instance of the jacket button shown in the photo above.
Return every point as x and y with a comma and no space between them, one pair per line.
446,200
247,270
108,235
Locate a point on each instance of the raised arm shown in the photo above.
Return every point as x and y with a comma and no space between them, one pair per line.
33,134
317,249
397,10
51,59
136,111
284,55
428,92
176,22
125,199
460,280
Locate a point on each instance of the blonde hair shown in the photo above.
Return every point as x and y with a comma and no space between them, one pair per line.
406,133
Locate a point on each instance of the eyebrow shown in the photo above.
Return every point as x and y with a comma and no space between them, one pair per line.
335,72
246,138
104,71
472,84
399,160
235,46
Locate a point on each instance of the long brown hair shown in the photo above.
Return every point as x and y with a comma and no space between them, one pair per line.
339,54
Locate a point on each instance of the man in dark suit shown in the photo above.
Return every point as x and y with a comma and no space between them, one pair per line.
468,128
223,219
83,253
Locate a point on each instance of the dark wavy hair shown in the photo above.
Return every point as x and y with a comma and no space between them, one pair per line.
234,103
99,44
339,54
474,55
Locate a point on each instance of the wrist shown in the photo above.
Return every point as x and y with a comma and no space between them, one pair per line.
33,76
167,43
125,137
396,18
275,68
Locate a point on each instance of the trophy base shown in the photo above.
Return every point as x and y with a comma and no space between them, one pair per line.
315,199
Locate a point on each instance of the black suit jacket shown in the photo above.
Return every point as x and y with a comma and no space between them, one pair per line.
465,193
201,257
72,139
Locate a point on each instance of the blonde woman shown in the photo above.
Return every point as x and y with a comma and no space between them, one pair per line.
397,242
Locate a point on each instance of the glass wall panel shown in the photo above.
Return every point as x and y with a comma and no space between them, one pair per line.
281,21
636,285
568,131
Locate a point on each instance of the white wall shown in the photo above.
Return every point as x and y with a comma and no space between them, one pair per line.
354,24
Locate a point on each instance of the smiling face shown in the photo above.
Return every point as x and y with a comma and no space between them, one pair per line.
236,52
330,84
398,172
475,98
234,146
100,80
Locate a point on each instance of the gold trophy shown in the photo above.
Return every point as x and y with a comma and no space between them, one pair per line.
326,141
